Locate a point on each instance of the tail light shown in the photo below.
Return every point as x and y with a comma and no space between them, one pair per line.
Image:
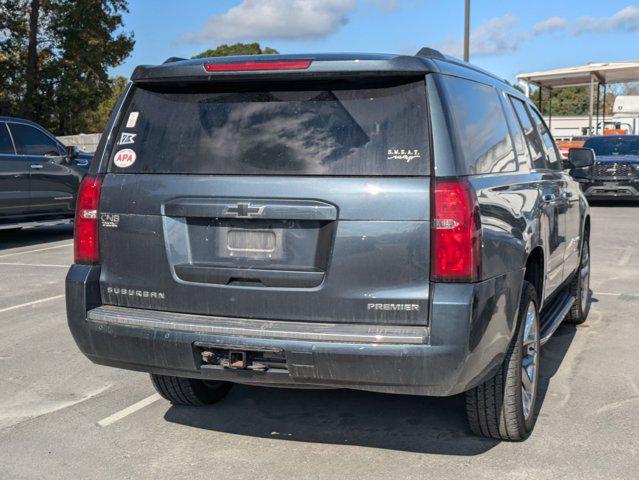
455,232
86,246
264,65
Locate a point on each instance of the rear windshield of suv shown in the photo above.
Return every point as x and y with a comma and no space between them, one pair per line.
372,128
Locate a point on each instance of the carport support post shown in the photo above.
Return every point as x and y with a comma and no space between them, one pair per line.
591,107
597,109
549,107
539,101
603,113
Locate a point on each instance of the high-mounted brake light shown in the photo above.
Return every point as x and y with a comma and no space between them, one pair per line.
455,232
86,246
251,66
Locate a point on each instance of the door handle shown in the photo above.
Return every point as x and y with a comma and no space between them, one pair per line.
82,163
36,167
549,197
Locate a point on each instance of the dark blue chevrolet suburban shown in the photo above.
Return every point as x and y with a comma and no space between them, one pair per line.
39,176
390,223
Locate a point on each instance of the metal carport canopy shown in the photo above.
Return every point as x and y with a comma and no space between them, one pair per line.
591,74
611,72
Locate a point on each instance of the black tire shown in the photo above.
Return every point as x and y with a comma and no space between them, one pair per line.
580,288
495,409
190,391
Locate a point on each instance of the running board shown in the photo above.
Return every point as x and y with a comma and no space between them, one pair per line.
36,223
551,319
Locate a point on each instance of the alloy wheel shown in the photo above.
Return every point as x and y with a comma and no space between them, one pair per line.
530,360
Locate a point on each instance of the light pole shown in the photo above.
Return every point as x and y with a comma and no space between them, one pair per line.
467,33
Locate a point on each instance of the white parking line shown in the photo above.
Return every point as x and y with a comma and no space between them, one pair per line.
33,265
35,250
111,419
35,302
611,294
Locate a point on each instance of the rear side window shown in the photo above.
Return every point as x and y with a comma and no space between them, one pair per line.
549,145
31,141
530,132
6,146
279,129
480,127
521,148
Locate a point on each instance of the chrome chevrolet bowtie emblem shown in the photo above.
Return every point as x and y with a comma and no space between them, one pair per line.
244,210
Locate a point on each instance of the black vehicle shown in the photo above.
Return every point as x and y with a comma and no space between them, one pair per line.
615,173
39,177
390,223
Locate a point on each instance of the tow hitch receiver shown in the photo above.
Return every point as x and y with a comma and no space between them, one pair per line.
235,360
258,359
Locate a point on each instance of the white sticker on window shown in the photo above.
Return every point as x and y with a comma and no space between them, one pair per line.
133,119
403,154
124,158
127,138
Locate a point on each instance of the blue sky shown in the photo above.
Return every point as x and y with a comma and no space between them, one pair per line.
507,37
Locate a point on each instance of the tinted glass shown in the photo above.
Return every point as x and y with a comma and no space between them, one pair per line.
549,144
614,145
303,129
519,140
480,125
31,141
6,146
530,132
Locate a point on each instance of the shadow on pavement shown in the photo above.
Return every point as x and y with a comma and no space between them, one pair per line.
345,417
34,236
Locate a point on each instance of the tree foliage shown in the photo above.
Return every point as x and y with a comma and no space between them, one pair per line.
236,49
76,42
576,100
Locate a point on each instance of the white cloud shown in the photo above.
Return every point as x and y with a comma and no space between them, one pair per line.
498,36
259,20
275,20
625,20
494,37
551,24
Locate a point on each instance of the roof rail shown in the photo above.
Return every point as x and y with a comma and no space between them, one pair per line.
173,59
430,52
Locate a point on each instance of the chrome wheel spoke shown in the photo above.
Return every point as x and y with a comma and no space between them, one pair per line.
530,359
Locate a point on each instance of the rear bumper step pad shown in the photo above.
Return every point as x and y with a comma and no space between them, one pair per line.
252,328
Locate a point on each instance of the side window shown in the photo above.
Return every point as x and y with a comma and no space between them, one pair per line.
551,151
6,146
519,140
31,141
530,132
481,128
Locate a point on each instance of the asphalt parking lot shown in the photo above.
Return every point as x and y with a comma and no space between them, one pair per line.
63,417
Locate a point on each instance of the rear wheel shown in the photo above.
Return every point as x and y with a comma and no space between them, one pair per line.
190,391
504,406
580,288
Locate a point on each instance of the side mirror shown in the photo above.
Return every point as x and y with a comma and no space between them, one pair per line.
580,157
72,152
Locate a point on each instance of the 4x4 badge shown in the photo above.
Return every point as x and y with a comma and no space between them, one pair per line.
244,210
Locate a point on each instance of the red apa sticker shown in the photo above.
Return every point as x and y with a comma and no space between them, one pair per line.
124,158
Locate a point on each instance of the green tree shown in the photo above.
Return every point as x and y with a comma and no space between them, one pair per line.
236,49
94,120
14,31
60,52
573,100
